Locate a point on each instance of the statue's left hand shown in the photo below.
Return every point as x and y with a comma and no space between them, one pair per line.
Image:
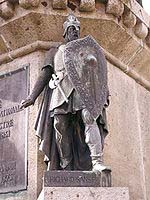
86,116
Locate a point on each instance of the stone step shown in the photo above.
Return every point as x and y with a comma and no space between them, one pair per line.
76,185
86,193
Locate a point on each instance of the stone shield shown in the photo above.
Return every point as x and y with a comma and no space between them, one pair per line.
87,70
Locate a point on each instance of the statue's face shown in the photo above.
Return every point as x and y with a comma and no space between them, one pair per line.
72,33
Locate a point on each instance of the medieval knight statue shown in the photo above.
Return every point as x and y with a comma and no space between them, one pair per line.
71,122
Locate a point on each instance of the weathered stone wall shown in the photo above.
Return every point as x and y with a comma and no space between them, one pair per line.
126,148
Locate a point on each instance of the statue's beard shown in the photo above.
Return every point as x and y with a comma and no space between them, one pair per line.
72,37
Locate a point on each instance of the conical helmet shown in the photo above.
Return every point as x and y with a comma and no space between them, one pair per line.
71,21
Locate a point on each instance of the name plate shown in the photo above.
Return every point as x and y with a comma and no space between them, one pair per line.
13,131
77,179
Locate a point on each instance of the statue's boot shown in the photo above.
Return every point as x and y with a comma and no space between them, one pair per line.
93,140
98,164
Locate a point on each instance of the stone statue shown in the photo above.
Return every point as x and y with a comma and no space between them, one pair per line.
71,122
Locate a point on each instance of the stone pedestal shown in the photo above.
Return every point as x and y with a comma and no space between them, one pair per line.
87,185
77,179
86,193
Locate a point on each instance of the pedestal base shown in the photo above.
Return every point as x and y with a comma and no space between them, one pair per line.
77,179
76,185
86,193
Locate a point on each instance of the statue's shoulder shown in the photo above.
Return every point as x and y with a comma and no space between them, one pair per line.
49,55
52,50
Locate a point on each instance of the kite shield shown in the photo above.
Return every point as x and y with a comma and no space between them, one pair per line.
87,70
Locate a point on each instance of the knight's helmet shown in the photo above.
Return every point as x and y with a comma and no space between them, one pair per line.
71,21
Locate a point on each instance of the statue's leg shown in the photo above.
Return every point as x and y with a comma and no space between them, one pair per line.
93,140
63,140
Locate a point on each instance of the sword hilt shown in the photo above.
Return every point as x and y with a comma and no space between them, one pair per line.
59,87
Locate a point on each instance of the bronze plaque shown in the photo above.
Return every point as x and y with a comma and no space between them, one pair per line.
13,131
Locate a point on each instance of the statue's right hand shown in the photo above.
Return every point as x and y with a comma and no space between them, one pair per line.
27,102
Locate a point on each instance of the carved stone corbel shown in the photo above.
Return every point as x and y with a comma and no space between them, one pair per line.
6,10
141,30
29,3
87,5
115,7
60,4
129,19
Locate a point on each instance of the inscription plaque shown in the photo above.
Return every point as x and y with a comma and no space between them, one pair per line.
13,131
77,179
